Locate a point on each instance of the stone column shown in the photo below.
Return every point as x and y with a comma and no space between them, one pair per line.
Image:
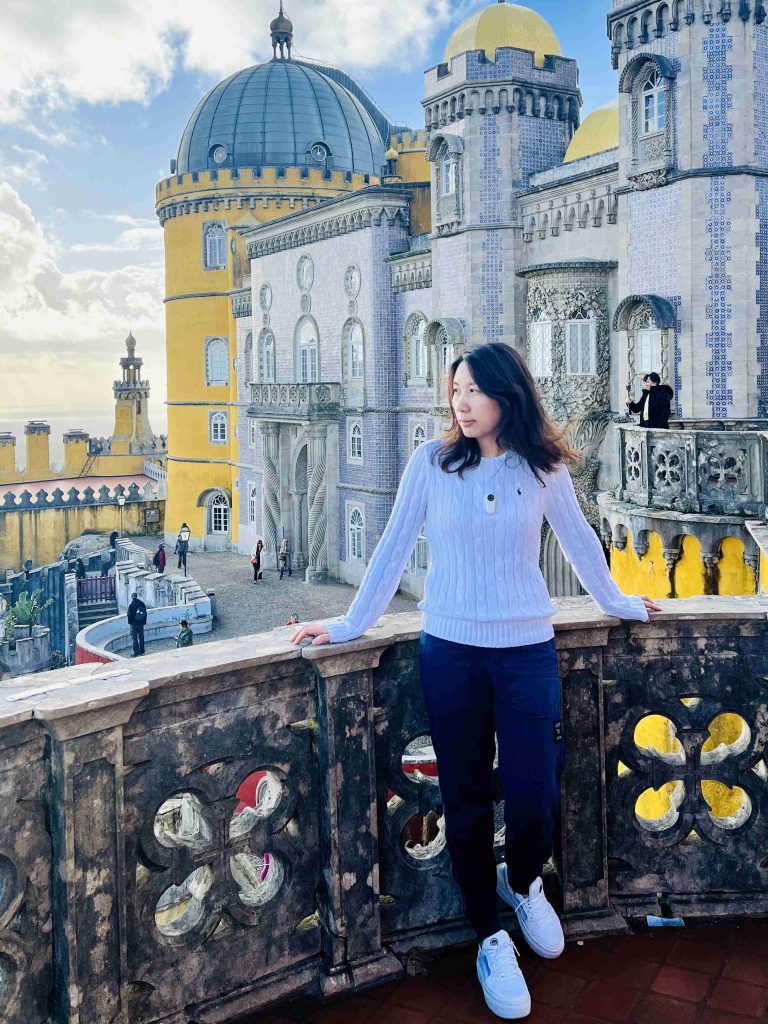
348,893
317,568
298,552
270,494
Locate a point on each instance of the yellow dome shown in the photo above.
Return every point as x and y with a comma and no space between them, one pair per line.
596,133
504,24
391,154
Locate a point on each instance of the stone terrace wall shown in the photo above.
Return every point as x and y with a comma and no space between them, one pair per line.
157,790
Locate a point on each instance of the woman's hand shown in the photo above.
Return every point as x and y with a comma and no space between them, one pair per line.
650,606
312,629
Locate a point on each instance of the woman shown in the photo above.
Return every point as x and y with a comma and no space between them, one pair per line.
487,654
284,557
256,560
80,573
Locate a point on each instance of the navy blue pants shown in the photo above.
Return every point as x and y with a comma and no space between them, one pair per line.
473,694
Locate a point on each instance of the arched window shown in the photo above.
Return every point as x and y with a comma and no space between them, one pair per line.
267,357
445,348
217,428
214,245
356,441
354,340
248,356
216,362
447,173
580,346
356,534
654,104
253,503
416,347
307,351
649,350
540,345
418,437
218,514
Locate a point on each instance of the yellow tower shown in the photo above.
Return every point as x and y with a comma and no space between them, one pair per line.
266,142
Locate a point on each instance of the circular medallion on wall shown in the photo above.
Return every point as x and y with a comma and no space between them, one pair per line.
219,154
265,297
352,281
305,273
306,303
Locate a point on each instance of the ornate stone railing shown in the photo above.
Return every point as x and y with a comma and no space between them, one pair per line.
308,402
198,835
719,471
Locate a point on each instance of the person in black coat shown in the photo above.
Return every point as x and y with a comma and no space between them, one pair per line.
137,619
654,404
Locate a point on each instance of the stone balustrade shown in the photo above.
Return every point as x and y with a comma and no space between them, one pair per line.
715,471
198,835
288,402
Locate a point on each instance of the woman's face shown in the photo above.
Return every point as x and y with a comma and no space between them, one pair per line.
478,415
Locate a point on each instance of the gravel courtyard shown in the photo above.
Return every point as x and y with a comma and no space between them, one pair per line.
243,608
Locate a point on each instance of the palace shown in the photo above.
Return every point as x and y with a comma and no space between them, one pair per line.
324,266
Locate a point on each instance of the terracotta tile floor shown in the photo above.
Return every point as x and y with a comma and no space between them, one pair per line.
697,975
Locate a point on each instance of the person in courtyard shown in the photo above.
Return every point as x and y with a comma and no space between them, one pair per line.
137,620
184,639
113,539
159,558
80,569
654,404
182,547
256,550
487,655
284,557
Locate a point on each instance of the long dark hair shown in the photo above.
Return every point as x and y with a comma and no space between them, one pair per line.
525,428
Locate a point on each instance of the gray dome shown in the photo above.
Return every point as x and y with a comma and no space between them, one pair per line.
284,114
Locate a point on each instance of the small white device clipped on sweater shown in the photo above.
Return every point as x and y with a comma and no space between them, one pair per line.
490,504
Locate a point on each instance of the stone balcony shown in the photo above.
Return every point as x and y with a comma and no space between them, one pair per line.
291,403
719,471
206,833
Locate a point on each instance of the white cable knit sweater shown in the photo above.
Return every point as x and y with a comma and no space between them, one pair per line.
484,586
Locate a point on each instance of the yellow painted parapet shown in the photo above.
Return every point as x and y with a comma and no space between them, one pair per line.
684,576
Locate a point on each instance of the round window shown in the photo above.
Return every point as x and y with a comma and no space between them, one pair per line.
319,153
219,154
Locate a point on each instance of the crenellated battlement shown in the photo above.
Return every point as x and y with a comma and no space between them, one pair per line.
15,501
220,184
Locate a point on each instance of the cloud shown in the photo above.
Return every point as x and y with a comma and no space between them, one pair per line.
24,165
138,239
55,55
61,334
124,218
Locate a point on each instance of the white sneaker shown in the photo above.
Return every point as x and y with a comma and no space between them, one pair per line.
504,987
538,921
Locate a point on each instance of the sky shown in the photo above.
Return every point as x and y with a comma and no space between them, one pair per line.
94,97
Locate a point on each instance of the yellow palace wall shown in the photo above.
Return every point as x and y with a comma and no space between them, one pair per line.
41,534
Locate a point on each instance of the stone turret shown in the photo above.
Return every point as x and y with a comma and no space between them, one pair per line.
132,431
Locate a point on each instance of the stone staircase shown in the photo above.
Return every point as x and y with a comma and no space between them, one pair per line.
87,614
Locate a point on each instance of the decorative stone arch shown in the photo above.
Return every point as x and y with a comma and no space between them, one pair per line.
635,66
652,154
637,313
445,340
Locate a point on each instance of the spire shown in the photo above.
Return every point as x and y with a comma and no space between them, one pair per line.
281,30
130,343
